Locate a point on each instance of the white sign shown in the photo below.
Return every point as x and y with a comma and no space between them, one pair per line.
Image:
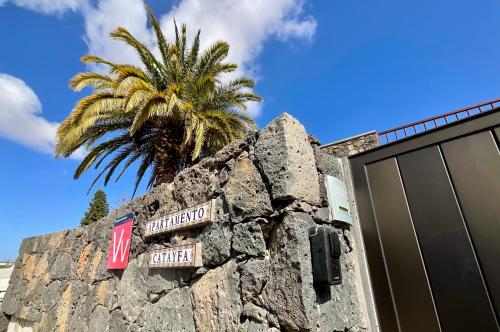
192,217
177,257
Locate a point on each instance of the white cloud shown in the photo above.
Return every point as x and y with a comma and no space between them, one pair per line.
51,6
21,118
245,24
106,17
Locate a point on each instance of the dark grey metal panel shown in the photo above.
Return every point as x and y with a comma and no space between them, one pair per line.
410,287
474,165
385,310
381,281
459,291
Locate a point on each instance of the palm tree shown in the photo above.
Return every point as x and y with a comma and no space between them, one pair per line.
165,115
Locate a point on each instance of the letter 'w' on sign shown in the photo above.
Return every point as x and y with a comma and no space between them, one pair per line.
119,247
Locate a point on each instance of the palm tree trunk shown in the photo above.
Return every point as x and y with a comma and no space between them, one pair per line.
165,171
167,158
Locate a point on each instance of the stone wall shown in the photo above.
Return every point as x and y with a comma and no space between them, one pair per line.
5,272
257,273
349,146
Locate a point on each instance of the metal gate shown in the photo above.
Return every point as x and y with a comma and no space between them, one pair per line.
429,209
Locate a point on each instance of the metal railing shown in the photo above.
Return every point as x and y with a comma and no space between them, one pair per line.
395,134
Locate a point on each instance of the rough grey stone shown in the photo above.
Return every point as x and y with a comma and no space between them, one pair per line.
101,269
83,306
327,165
273,320
199,272
4,322
162,280
27,245
245,192
352,145
216,299
322,214
299,206
13,298
17,273
30,313
41,242
106,292
72,244
230,151
287,159
61,269
248,239
117,322
173,312
252,311
252,326
52,293
202,179
289,292
254,274
100,232
100,319
202,184
47,323
251,137
133,289
216,240
153,298
346,313
163,195
84,311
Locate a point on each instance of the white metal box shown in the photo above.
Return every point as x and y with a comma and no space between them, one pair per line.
338,201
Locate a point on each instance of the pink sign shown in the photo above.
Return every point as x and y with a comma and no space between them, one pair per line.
119,247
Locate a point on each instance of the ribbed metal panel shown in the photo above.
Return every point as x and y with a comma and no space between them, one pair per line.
429,209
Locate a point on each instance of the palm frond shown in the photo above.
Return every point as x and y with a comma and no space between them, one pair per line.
164,115
95,59
123,72
195,48
148,59
199,141
160,37
90,79
117,160
154,105
147,160
215,53
182,48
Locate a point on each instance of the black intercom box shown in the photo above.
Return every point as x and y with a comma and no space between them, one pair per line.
325,252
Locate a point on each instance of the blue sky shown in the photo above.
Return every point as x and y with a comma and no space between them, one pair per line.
340,67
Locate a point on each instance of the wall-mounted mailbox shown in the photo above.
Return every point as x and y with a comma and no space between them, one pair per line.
338,203
325,252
